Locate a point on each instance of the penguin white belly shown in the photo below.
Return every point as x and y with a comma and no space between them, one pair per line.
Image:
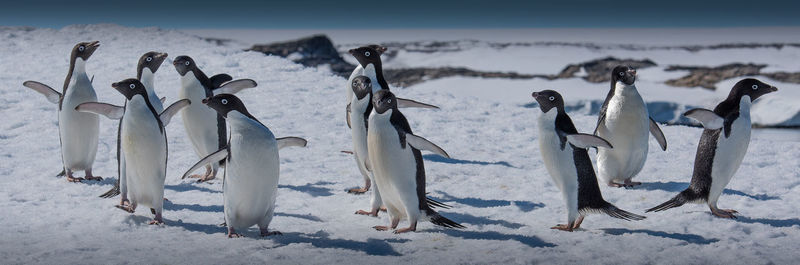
145,151
559,163
251,178
729,154
359,134
200,121
627,128
394,170
78,131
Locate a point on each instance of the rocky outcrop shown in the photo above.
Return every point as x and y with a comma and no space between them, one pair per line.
411,76
708,77
311,51
598,71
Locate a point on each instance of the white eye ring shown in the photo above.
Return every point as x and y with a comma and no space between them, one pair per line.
81,48
389,101
552,98
366,53
149,59
224,101
621,73
188,63
755,87
132,86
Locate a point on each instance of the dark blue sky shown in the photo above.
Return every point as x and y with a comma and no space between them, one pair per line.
301,14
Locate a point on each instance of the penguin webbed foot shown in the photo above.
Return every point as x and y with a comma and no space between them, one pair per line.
97,178
126,208
563,227
724,213
626,184
156,222
265,232
74,179
381,228
372,213
404,230
357,190
232,233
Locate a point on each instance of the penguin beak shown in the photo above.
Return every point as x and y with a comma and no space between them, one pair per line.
161,56
116,86
94,44
352,51
632,72
206,100
773,89
535,94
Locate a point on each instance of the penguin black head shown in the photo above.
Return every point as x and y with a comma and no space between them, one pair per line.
383,100
750,87
361,86
549,99
184,64
370,54
624,74
150,60
84,50
130,87
225,103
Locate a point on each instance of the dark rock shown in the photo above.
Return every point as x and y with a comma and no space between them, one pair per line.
785,77
313,51
599,71
410,76
708,77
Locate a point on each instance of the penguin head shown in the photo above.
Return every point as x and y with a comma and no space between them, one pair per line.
225,103
383,100
361,86
750,87
624,74
184,64
130,87
84,50
152,61
549,99
366,55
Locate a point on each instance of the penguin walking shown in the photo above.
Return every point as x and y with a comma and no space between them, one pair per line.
625,122
206,129
144,144
250,181
145,71
78,132
371,67
397,165
722,147
566,158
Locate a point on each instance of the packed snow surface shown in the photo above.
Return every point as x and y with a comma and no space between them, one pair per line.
495,180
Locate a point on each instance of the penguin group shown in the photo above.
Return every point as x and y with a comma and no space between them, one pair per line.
387,152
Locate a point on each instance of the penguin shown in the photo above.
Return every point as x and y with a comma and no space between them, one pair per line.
361,104
145,71
144,144
565,155
369,65
722,147
625,122
250,181
78,132
396,162
206,129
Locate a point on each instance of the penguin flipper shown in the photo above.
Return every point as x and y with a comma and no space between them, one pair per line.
232,87
408,103
170,111
113,112
348,116
656,132
584,140
211,158
709,119
291,141
51,94
217,80
423,144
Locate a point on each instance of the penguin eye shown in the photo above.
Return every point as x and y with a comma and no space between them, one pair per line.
187,63
755,87
81,48
149,59
366,54
389,100
132,86
552,98
224,101
621,73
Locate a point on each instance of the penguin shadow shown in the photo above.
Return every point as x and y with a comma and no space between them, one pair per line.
321,239
441,159
688,238
104,182
524,206
169,205
479,220
311,188
770,222
204,228
673,186
182,187
530,241
308,217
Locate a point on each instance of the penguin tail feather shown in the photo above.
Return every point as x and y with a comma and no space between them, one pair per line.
615,212
440,220
112,192
680,199
434,203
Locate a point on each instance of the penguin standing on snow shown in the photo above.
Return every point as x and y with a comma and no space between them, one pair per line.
397,165
77,131
567,160
722,146
206,129
144,144
625,122
250,183
145,72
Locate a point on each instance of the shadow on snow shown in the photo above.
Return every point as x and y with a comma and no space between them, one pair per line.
673,186
479,220
311,188
688,238
524,206
321,239
441,159
530,241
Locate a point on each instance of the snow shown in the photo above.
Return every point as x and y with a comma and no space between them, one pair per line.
496,181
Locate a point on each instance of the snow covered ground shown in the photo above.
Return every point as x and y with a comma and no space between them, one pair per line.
495,181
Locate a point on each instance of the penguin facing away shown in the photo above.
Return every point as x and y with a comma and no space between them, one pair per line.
565,155
144,144
397,165
250,183
78,132
625,122
206,129
722,147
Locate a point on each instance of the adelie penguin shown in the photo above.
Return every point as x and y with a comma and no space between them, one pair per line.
625,122
206,129
78,132
722,146
250,183
396,162
143,143
565,155
369,66
145,71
